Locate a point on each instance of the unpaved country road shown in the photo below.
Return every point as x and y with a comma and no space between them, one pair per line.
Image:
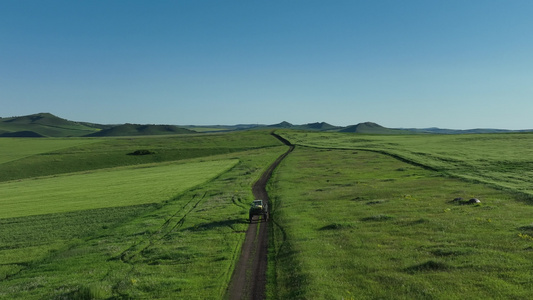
249,278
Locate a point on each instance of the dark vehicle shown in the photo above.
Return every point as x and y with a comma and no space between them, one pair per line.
258,208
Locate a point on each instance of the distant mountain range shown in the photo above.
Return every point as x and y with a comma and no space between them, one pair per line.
135,129
49,125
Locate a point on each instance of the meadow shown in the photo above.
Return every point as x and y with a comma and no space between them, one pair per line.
105,188
82,154
141,230
352,216
374,217
502,160
17,148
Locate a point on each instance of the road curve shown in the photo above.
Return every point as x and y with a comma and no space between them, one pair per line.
249,277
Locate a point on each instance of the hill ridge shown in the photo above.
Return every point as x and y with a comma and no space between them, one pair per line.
45,124
371,128
130,129
41,124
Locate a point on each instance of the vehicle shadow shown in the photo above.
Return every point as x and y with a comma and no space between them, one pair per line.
216,224
257,219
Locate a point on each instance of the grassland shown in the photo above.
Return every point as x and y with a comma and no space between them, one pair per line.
178,239
353,216
18,148
349,223
105,188
502,160
98,153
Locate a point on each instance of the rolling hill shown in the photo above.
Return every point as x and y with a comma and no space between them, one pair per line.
136,129
283,124
372,128
42,125
49,125
319,126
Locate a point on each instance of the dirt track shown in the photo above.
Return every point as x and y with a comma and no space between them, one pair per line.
249,278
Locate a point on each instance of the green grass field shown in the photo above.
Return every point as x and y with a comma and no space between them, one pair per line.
353,216
184,248
137,229
74,155
19,148
502,160
362,225
358,224
105,188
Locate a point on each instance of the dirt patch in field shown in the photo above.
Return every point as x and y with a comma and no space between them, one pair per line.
249,278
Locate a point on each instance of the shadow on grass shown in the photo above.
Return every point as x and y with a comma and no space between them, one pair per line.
337,226
527,228
85,292
429,266
417,222
216,224
379,217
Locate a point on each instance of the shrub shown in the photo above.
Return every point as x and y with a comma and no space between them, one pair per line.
141,152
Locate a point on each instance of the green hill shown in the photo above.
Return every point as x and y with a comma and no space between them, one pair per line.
318,126
322,126
49,125
372,128
136,129
283,124
42,124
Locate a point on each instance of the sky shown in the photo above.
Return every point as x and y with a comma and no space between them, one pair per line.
399,63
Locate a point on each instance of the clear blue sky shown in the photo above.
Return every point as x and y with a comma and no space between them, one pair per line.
399,63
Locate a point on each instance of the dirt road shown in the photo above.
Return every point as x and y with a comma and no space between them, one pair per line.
249,278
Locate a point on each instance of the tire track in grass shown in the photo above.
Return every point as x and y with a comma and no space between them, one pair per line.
158,235
249,277
129,254
162,231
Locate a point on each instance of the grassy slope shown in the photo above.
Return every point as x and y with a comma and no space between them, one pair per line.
502,160
136,129
409,238
92,154
106,188
17,148
45,124
361,225
183,247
